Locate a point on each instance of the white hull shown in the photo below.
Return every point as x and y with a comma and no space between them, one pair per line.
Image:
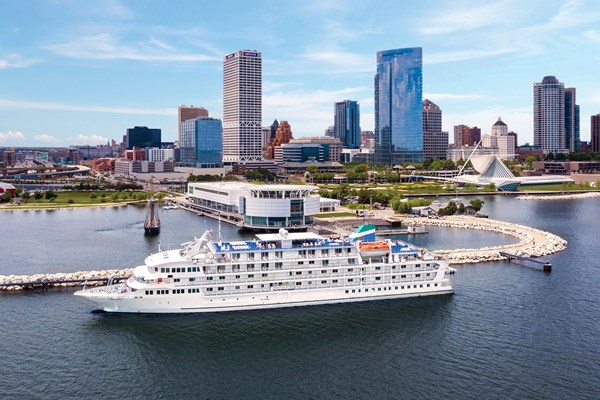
254,301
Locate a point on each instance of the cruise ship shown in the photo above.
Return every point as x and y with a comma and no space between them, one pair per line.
283,269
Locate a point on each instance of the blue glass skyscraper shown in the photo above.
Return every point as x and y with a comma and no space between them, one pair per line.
201,143
347,124
398,106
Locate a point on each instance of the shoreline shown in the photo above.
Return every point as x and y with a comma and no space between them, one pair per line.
574,196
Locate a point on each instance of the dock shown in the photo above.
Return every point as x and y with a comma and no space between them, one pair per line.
546,266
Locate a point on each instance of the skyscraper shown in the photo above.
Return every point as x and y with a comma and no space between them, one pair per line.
595,133
571,120
398,106
201,142
242,106
501,140
185,113
435,142
346,125
142,136
549,115
466,135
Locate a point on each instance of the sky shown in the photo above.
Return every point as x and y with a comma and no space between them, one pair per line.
76,72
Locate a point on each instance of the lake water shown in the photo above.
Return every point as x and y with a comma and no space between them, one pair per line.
509,331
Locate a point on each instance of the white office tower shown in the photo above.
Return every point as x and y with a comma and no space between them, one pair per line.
242,106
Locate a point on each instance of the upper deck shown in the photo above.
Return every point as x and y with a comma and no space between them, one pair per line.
295,240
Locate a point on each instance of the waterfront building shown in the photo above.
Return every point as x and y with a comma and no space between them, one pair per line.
514,135
595,133
549,115
257,206
142,136
201,143
526,150
185,113
130,167
300,152
332,147
156,154
102,165
242,106
8,157
501,140
572,133
346,125
465,135
435,142
398,106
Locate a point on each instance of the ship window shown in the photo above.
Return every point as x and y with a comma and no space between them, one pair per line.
264,266
310,272
311,262
311,252
417,265
278,265
401,287
377,278
334,281
346,291
420,285
251,276
393,267
250,286
428,285
414,286
379,289
352,261
300,262
323,271
250,267
162,270
350,280
192,279
237,287
428,275
176,280
350,269
279,254
427,265
435,284
334,271
237,277
325,252
220,288
264,254
377,268
384,288
393,276
325,262
323,281
189,269
396,287
402,276
417,275
366,290
298,283
264,275
209,278
221,277
298,272
403,266
209,289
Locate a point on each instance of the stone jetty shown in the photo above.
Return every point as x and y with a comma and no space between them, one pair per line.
574,196
532,242
61,279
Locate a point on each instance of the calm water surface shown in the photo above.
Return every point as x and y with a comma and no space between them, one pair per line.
508,332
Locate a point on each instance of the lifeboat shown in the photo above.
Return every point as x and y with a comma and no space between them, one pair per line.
373,249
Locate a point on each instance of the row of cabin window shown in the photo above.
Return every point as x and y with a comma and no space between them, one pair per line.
179,269
389,288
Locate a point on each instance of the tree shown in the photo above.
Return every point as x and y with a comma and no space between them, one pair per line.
450,209
50,195
312,169
489,187
26,196
38,195
6,196
477,204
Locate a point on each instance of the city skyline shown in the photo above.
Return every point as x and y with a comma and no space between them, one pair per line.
83,72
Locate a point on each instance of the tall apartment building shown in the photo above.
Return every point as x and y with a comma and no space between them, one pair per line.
435,142
332,147
398,106
242,106
466,135
595,133
185,113
346,125
549,115
572,139
282,136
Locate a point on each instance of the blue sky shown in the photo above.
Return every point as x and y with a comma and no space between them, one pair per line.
83,71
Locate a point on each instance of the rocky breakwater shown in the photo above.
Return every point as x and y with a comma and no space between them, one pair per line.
574,196
90,278
532,242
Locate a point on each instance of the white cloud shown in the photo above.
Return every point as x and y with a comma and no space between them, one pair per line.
16,61
592,35
462,55
91,139
452,96
47,139
11,137
466,19
34,105
104,46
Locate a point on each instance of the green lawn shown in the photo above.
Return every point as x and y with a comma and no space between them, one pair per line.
83,198
335,214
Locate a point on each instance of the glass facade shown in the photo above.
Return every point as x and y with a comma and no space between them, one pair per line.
398,106
201,143
347,124
142,136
